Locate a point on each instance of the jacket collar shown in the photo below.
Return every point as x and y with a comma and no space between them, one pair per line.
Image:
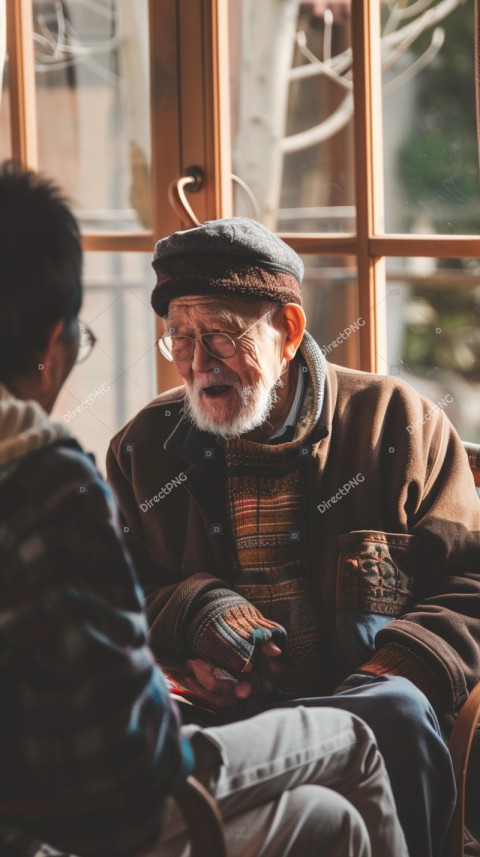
204,454
188,442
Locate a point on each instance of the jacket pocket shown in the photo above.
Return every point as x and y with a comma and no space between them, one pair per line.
375,573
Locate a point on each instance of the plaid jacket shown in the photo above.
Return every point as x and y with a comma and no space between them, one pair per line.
89,738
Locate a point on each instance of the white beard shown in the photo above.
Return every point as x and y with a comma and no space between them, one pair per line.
256,404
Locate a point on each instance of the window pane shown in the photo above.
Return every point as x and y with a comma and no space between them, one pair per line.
292,117
430,147
93,107
329,292
433,315
108,389
5,147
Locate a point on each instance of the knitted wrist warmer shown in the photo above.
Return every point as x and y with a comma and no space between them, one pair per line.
393,659
226,628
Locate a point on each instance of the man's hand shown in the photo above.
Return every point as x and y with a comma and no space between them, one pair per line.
229,631
223,690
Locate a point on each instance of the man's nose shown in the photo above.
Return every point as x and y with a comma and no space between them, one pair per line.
202,361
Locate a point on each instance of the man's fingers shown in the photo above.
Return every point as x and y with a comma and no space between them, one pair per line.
224,675
224,689
270,649
226,684
218,682
203,672
214,700
243,690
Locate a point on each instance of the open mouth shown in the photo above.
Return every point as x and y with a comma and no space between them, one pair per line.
217,390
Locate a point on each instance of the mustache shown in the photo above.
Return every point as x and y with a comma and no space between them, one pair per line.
216,380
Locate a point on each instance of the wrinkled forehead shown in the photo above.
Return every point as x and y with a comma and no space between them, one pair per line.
211,307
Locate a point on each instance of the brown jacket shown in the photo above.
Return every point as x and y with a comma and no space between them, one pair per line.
392,536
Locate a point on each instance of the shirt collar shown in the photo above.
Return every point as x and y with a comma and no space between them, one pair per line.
292,416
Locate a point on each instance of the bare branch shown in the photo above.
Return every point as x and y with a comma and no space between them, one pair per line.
438,38
327,34
322,66
398,12
321,132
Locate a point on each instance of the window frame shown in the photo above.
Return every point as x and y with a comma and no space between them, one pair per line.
190,126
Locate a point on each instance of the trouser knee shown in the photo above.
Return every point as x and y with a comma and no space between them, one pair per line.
403,711
318,820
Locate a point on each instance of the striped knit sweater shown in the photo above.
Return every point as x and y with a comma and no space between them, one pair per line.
265,509
272,597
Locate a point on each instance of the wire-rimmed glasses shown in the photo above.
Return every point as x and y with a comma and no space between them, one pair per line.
87,340
180,349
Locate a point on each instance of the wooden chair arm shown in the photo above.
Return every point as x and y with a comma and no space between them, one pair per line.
203,818
459,745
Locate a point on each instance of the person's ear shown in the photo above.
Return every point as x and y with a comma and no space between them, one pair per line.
50,365
293,323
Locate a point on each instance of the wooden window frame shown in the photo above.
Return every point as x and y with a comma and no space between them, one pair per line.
189,49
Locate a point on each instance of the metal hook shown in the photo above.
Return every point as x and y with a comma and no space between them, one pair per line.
192,182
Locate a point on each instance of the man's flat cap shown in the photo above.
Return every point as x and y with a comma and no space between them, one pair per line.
233,256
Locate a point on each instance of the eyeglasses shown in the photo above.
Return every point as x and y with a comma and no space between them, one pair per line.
87,340
180,349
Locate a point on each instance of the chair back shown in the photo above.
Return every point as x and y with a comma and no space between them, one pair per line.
473,452
466,723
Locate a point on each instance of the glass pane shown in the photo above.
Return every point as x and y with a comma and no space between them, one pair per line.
433,316
108,389
91,63
430,145
329,292
292,130
5,145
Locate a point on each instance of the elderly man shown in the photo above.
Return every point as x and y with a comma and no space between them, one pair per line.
294,536
91,742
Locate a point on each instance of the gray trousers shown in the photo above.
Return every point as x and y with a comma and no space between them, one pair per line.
301,782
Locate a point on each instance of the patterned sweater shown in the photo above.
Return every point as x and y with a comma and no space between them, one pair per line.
272,597
266,515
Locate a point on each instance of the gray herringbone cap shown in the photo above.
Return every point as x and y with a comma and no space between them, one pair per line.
235,255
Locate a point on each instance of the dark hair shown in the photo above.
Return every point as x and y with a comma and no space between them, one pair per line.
40,267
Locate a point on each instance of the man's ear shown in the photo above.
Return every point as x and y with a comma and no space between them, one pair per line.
49,364
293,323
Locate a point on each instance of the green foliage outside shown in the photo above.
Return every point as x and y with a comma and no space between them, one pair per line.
439,171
